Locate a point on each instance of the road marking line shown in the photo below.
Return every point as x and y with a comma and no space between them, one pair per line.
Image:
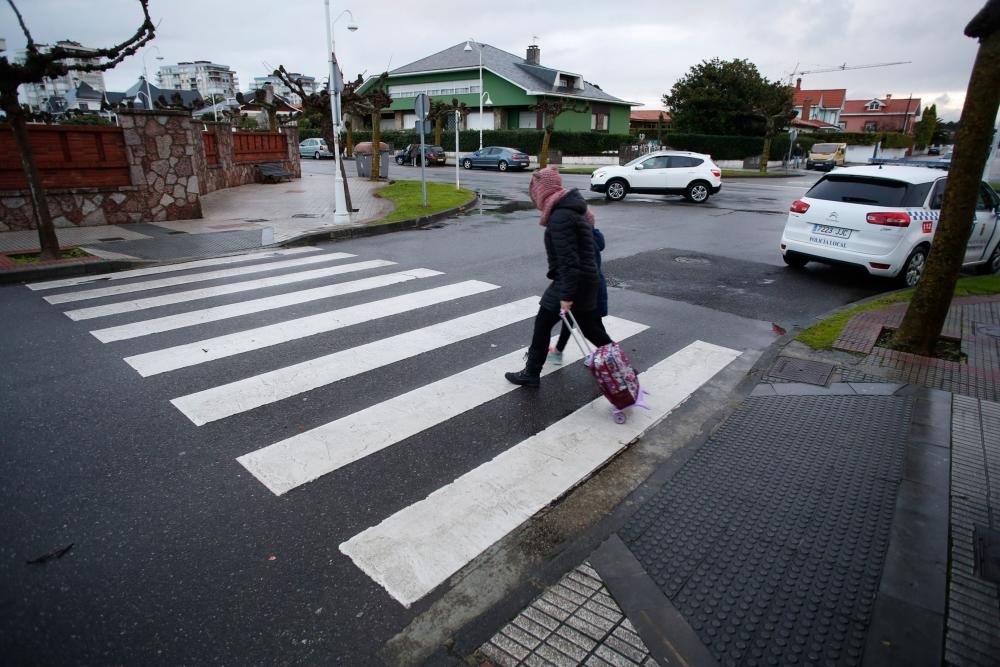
243,395
227,311
167,268
416,549
307,456
221,290
194,278
190,354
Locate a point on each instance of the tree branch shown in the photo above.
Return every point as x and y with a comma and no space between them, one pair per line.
116,53
24,28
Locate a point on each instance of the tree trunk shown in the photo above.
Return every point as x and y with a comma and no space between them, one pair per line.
438,128
767,153
543,155
349,148
376,140
926,314
47,239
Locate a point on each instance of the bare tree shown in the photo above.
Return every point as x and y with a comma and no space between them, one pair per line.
372,102
926,313
36,67
550,110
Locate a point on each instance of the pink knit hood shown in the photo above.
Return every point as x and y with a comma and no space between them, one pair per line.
546,190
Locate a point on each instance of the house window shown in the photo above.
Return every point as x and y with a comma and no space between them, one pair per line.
874,105
871,126
599,122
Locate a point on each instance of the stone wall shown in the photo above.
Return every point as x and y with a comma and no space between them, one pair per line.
168,173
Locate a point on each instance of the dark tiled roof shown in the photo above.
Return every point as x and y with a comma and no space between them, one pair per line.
532,78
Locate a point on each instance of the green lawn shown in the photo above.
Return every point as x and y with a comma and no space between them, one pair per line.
407,198
822,335
34,257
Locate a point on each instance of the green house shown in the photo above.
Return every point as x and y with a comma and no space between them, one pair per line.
510,85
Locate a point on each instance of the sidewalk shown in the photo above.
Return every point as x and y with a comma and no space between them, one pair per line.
235,219
847,513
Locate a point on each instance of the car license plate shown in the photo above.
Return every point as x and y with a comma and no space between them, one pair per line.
827,230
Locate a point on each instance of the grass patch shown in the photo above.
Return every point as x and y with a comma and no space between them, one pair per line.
753,173
24,258
822,335
406,196
577,170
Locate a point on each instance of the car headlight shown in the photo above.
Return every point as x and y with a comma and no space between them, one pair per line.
599,173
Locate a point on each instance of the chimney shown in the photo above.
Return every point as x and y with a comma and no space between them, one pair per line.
806,104
534,55
798,83
888,96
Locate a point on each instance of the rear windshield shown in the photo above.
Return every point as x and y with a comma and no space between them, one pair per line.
825,148
437,149
873,191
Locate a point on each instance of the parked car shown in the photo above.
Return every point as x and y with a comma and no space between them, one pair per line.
933,150
825,157
314,148
884,218
411,155
693,175
496,157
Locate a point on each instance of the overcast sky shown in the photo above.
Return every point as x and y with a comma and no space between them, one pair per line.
636,53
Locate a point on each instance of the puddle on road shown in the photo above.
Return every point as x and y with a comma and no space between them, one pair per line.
492,205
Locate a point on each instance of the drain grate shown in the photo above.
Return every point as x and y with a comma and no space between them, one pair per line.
111,238
800,370
306,215
986,543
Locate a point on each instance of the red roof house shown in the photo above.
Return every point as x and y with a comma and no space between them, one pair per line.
647,119
818,109
881,115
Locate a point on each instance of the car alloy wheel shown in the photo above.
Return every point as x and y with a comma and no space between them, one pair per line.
316,155
914,267
993,264
399,161
616,190
697,192
467,164
502,166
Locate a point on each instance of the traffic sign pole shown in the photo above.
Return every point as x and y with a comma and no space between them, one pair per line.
420,106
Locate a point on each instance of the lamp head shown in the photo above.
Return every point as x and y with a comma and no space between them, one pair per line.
468,47
353,27
487,99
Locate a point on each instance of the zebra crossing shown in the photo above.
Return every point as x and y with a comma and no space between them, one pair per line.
416,549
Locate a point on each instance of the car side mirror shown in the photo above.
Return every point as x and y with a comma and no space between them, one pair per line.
639,167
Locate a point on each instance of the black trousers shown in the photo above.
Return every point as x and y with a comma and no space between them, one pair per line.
590,324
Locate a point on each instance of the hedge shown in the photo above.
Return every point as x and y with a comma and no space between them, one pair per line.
720,147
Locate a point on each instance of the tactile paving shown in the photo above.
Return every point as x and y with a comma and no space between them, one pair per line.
771,539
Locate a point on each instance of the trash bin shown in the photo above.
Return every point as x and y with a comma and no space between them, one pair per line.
363,159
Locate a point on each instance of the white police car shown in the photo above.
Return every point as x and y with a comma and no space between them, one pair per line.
883,218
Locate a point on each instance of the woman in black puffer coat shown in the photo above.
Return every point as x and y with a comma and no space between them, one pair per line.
569,246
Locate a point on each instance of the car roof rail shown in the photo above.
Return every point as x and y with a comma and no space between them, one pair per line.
931,164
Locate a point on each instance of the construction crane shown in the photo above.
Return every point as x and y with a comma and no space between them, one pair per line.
840,68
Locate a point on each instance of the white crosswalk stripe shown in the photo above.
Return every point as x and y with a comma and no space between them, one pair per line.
303,458
418,548
415,550
115,290
253,392
221,290
190,354
168,268
216,313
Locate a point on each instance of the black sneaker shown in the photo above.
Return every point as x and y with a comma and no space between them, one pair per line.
523,378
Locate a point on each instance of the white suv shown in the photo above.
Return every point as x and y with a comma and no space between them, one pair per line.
883,218
661,173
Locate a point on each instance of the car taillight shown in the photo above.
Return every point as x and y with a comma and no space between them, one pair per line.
894,219
799,206
717,173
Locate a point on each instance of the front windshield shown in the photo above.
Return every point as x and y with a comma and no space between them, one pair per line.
825,148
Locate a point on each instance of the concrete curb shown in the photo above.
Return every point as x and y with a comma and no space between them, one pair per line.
88,267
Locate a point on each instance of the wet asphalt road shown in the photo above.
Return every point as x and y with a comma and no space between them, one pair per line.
181,557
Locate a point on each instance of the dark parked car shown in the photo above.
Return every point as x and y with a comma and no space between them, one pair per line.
496,157
411,155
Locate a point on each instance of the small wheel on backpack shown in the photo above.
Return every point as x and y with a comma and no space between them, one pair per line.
620,418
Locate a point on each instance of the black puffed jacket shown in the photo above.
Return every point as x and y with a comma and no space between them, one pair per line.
569,246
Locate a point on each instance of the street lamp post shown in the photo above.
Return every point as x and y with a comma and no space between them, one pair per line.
482,93
145,76
341,214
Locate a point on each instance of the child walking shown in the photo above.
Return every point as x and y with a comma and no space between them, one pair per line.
555,353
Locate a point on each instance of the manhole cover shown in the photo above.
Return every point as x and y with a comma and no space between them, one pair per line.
800,370
991,330
987,547
691,260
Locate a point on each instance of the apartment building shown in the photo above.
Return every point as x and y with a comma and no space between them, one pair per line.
51,94
206,77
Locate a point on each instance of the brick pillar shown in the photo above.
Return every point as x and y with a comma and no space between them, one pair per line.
291,133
